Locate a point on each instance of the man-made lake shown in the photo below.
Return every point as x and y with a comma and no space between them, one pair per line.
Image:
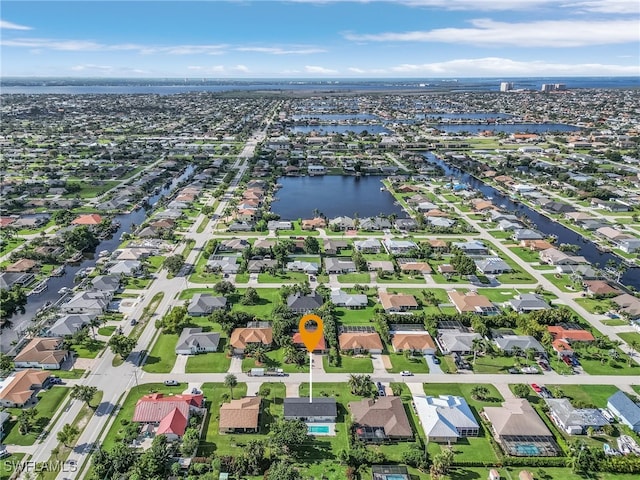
333,196
330,117
508,128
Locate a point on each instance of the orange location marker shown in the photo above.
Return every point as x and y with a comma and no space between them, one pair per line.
310,337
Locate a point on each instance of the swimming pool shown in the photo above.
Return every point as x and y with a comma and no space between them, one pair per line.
528,450
319,429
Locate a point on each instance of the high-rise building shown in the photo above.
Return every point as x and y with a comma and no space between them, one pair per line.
506,86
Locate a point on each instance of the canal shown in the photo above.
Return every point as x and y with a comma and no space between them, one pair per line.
543,224
20,322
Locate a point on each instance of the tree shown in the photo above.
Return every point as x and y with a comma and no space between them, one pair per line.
6,365
224,287
416,456
442,463
283,470
174,321
154,463
230,381
84,393
521,390
480,392
173,263
311,245
254,455
122,345
361,385
93,323
190,441
288,435
26,420
250,297
463,264
67,434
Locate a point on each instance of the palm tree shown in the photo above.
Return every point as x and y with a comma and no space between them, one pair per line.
230,381
260,354
476,344
93,323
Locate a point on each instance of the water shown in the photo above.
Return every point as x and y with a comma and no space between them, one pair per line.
20,322
464,115
334,196
74,86
508,128
331,129
330,117
544,224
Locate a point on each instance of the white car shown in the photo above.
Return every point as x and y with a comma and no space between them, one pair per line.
406,373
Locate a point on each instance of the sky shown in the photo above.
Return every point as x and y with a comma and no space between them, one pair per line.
320,38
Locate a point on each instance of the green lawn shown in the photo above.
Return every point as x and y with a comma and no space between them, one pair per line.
269,298
416,364
592,304
48,403
70,374
285,277
275,359
560,281
90,349
629,337
615,322
128,405
107,331
7,465
359,316
354,278
217,362
464,390
404,278
163,354
526,254
349,365
493,364
593,394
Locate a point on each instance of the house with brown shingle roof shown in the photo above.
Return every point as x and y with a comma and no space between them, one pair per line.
240,416
472,302
22,266
360,342
241,337
20,389
397,302
600,288
381,420
312,224
416,267
45,353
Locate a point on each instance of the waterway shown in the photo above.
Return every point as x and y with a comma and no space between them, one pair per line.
332,129
507,128
544,224
334,196
22,321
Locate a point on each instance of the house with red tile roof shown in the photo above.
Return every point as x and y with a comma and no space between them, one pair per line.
168,415
570,334
89,219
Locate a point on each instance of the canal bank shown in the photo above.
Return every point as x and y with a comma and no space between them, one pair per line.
543,223
49,296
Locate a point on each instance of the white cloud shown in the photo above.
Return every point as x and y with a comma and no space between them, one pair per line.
240,68
207,69
356,70
91,66
4,25
319,70
606,6
281,51
496,66
546,33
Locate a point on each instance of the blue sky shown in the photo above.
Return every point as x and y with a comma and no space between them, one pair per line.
322,38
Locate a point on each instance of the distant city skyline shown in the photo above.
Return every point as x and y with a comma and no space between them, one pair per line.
320,39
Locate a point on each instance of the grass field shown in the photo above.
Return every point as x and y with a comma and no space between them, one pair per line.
269,298
416,364
354,278
163,356
89,349
285,277
217,362
349,365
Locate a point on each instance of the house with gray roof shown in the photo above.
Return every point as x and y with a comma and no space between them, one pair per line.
126,268
9,279
453,340
321,409
349,300
507,342
441,222
279,225
492,266
399,246
193,341
69,324
528,302
305,267
574,421
258,266
109,283
526,234
339,265
625,409
300,303
223,264
342,223
446,418
374,223
204,303
473,247
91,302
370,245
406,224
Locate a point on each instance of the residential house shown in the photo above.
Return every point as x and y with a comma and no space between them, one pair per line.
473,247
519,430
370,245
374,223
279,225
319,409
574,421
45,353
536,245
395,247
333,247
92,302
453,340
382,265
380,420
348,300
405,224
314,223
628,305
218,263
69,324
360,342
416,268
258,266
310,268
472,302
397,302
337,265
627,411
601,288
553,256
193,341
299,303
20,389
233,245
492,266
23,265
510,343
126,268
446,418
241,337
526,234
240,416
342,223
528,302
297,341
168,415
90,219
414,341
8,280
203,304
106,283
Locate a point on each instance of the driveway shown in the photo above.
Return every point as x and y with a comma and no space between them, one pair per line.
433,368
236,365
180,365
378,364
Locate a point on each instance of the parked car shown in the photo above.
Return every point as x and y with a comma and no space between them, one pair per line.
171,383
435,359
406,373
514,370
133,322
195,391
536,388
